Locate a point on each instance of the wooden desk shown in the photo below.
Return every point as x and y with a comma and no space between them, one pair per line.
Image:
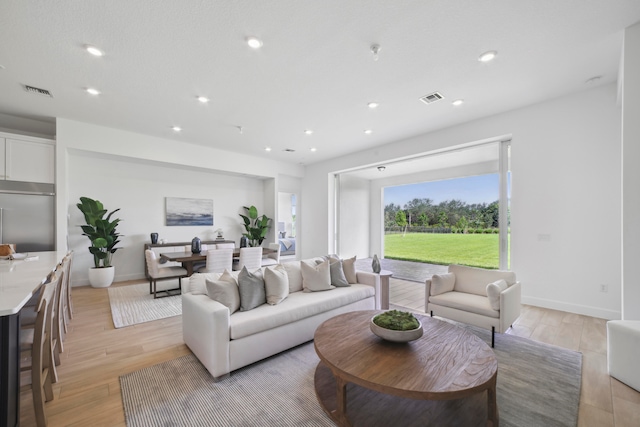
391,381
188,259
19,281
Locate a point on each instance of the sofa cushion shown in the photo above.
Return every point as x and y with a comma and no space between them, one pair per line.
336,272
225,292
474,280
276,284
251,286
441,283
297,306
493,293
349,267
316,278
294,274
465,301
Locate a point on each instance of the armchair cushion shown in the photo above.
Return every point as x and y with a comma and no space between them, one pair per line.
493,293
441,283
471,303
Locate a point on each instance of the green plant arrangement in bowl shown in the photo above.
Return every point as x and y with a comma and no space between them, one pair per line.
397,326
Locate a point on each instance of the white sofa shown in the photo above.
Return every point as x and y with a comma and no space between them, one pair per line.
463,295
623,348
225,342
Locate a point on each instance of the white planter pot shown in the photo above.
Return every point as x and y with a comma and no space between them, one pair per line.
101,277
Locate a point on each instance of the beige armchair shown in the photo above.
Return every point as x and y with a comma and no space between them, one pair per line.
489,299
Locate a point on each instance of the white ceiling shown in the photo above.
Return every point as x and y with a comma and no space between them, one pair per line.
315,70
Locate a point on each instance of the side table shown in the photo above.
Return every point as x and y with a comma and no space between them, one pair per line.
384,288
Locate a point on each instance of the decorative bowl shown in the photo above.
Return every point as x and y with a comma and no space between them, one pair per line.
396,336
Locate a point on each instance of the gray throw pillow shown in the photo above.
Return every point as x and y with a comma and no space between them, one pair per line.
225,292
251,286
338,278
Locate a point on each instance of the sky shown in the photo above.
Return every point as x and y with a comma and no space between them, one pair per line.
472,189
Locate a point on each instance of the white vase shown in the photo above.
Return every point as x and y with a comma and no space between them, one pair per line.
101,277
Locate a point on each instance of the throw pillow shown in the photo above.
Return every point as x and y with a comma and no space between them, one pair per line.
251,286
316,278
349,267
197,283
493,292
225,292
441,283
294,274
336,272
276,284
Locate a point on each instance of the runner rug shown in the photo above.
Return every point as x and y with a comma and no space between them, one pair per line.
538,385
134,304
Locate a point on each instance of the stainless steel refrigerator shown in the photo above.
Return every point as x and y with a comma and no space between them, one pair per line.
27,215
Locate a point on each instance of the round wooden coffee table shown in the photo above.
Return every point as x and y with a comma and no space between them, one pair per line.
383,378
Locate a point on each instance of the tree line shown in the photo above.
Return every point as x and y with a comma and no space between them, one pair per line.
448,216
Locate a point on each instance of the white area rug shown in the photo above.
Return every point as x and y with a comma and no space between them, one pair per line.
133,304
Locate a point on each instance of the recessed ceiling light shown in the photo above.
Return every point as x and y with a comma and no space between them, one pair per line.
487,56
94,50
458,102
382,168
368,131
373,105
254,42
203,99
93,91
267,148
308,131
313,149
176,128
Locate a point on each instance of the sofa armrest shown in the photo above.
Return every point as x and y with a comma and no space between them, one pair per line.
371,279
427,293
205,329
510,305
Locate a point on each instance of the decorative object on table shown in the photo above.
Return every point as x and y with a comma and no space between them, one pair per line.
244,242
397,326
103,236
375,264
219,235
6,251
256,226
154,238
181,211
196,245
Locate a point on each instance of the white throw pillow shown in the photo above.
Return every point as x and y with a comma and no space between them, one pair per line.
441,283
197,283
294,274
316,278
225,292
276,284
493,293
349,268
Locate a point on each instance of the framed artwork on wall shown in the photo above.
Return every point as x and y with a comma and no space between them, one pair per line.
181,211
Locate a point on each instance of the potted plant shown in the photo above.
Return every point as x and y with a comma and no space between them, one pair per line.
256,226
102,234
396,325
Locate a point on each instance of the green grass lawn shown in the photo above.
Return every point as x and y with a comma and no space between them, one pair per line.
476,250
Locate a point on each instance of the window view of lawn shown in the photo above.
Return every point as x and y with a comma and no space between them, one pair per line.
476,250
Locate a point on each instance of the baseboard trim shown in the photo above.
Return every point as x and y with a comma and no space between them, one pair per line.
573,308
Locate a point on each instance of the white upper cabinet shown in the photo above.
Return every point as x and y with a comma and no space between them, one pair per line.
28,160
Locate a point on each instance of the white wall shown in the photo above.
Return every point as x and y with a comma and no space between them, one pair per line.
354,217
136,172
631,174
566,183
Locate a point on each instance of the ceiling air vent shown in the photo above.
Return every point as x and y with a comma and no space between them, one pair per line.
432,97
38,91
289,150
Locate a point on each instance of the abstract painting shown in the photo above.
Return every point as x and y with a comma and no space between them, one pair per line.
189,211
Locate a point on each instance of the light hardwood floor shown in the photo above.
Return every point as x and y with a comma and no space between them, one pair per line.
96,354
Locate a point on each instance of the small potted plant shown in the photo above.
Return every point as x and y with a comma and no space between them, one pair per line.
103,236
256,226
397,326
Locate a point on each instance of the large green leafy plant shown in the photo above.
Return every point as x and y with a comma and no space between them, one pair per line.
101,231
256,226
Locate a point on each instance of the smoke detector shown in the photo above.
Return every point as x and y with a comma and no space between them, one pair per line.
432,97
